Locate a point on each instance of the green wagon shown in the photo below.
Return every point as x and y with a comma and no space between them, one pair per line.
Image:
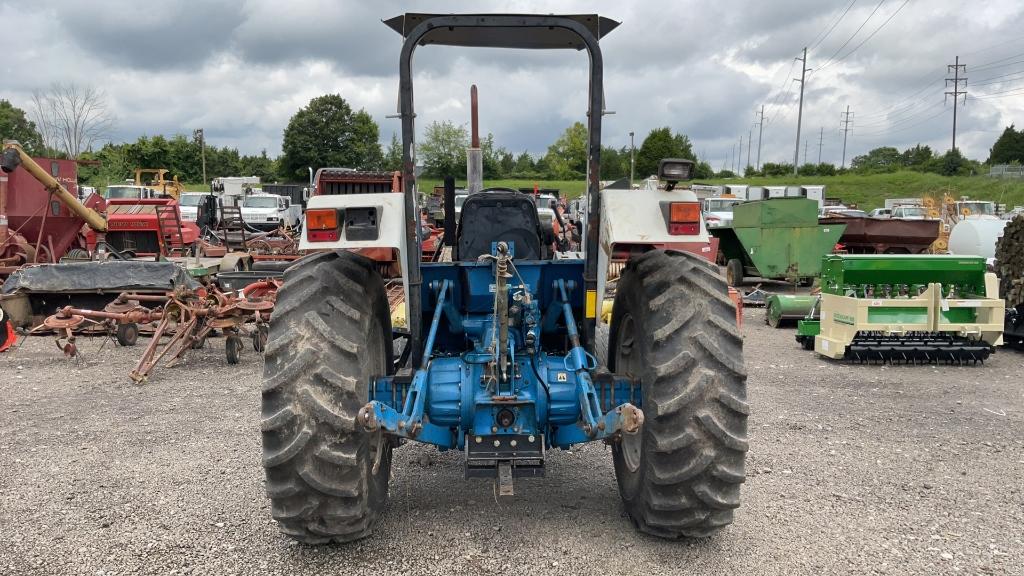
778,239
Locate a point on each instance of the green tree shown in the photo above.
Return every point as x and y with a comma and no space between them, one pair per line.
15,125
260,165
507,163
567,157
661,143
443,151
774,169
916,157
614,163
952,163
524,166
328,133
1009,147
365,139
884,159
393,155
825,169
703,170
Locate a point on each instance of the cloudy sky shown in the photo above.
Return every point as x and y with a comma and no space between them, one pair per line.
241,68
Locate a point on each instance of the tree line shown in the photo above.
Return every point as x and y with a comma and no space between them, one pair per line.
68,120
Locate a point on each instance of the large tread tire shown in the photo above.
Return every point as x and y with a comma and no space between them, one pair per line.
330,334
674,328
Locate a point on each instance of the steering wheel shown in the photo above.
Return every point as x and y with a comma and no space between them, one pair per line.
499,189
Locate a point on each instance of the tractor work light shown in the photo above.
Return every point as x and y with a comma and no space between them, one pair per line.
322,225
683,218
675,170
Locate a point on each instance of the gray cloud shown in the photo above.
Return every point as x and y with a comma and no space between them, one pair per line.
241,69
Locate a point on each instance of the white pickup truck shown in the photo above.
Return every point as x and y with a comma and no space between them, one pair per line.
270,211
188,205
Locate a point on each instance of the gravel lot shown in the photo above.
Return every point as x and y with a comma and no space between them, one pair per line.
852,470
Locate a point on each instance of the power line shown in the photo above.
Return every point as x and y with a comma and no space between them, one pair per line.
784,89
859,28
1005,94
893,126
908,102
996,79
994,46
870,36
833,27
888,132
992,64
779,109
889,121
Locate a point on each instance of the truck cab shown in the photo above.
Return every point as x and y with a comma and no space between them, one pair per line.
132,192
718,211
909,213
269,212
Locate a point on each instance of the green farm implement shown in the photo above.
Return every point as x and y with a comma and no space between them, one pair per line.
905,309
777,239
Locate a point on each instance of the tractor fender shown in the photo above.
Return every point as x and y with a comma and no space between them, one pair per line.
390,223
235,261
638,218
380,243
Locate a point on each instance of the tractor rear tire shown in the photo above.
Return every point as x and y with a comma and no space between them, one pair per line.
330,335
674,329
734,273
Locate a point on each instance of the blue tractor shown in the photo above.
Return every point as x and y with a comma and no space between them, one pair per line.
501,357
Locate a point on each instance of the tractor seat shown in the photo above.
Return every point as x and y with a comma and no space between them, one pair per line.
496,215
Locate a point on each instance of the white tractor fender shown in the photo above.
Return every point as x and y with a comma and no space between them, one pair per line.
391,220
637,217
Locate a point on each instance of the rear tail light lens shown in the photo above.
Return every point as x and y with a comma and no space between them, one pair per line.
684,229
683,212
322,225
683,218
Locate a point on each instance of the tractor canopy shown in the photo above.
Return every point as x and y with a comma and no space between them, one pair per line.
484,35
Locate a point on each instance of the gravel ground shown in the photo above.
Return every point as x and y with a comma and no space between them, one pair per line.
852,470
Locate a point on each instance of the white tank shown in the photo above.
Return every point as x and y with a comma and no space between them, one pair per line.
972,237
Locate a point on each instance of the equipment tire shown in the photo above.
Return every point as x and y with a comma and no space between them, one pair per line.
734,273
674,329
330,335
259,338
233,348
127,334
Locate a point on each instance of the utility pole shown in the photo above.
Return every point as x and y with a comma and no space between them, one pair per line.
821,137
956,92
732,158
201,136
750,136
846,121
760,132
739,158
632,160
800,113
805,150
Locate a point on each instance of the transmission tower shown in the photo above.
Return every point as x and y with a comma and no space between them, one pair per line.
846,121
956,82
760,132
821,138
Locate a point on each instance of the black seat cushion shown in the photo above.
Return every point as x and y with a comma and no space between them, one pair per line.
493,216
